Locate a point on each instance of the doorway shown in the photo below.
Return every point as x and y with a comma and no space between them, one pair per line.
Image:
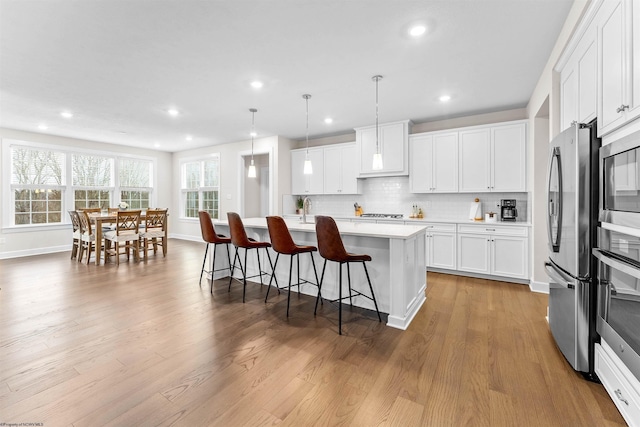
256,200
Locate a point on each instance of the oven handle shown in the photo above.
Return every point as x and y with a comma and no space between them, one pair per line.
618,265
557,277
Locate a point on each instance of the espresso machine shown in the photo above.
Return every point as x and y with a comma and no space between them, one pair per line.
508,211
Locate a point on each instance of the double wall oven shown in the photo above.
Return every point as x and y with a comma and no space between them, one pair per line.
618,251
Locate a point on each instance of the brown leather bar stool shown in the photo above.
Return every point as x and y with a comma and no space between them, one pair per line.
210,236
282,243
332,248
240,240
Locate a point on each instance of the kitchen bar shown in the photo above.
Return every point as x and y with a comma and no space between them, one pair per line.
398,270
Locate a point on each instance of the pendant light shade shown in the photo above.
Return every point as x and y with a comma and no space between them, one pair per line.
308,167
377,157
252,166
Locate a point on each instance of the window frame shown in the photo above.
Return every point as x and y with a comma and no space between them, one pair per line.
201,189
67,188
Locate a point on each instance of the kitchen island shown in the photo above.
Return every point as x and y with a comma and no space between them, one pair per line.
397,270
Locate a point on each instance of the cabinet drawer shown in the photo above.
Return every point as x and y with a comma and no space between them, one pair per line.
450,228
622,393
501,230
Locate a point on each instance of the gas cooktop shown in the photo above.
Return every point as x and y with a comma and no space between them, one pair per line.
380,215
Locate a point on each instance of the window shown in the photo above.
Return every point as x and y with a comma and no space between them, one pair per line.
201,187
92,179
135,182
37,185
44,181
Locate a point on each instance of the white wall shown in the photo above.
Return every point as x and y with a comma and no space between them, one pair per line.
231,172
34,241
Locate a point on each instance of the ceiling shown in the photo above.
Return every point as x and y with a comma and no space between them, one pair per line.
119,66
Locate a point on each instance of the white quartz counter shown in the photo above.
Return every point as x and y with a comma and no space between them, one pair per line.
365,229
413,221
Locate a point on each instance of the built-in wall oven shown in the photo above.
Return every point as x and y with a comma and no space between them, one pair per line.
618,251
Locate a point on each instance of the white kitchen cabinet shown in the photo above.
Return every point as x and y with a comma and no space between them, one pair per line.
393,144
578,81
494,250
441,246
492,158
618,61
340,171
623,387
433,162
307,184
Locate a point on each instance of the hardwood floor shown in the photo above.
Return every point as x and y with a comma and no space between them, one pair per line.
142,344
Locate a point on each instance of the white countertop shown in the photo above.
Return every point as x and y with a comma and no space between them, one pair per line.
366,229
418,221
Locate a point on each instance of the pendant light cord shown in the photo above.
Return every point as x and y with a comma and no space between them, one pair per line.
306,98
253,131
377,78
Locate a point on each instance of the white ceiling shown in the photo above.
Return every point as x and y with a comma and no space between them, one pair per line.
120,65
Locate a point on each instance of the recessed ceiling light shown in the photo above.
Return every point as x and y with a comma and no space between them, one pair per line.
417,30
173,112
444,98
156,145
256,84
66,114
253,134
42,126
188,138
328,120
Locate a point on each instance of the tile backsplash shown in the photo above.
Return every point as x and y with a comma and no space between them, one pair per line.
391,195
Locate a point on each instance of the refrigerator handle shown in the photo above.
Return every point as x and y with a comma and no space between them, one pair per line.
556,277
555,208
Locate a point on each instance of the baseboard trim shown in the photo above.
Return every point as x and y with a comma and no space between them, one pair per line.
36,251
539,287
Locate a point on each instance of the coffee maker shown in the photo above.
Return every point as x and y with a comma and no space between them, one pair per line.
508,211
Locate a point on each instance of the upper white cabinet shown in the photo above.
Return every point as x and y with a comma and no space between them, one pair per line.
433,162
307,184
618,62
393,145
340,171
578,82
493,158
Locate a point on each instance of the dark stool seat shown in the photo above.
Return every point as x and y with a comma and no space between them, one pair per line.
210,236
240,240
332,248
282,243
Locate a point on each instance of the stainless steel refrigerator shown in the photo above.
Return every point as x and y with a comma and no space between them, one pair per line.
572,218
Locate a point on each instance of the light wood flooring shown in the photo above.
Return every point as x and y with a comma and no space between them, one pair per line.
142,344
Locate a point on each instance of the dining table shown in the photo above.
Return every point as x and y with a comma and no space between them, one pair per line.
101,218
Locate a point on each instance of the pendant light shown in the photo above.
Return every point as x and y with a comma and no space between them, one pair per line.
308,168
377,157
252,167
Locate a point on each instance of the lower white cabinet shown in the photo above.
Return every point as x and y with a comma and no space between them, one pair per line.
441,246
493,250
619,382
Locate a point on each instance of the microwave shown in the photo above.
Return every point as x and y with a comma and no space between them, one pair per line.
620,184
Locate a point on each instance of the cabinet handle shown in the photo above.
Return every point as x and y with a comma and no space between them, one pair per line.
622,108
620,398
574,122
489,229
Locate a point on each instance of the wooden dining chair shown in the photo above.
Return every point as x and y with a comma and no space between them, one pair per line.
155,231
77,234
126,236
90,210
87,236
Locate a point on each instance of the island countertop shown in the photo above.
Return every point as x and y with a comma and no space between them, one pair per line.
389,231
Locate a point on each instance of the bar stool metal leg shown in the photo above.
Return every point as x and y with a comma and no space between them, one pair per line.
373,296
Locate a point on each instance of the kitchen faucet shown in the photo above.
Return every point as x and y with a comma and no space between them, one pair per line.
305,208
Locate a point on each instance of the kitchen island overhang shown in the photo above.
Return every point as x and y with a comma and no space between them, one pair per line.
397,270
